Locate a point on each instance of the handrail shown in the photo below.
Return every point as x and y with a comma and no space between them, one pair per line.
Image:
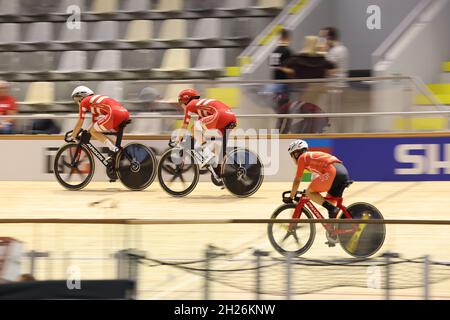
283,18
414,80
380,52
256,115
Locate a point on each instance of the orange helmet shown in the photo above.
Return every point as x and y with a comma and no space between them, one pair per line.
187,95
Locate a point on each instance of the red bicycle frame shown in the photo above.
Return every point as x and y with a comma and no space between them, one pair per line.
304,200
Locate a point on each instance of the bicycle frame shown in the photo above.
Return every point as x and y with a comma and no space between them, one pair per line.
85,140
304,200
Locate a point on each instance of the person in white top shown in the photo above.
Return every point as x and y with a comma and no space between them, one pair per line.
336,52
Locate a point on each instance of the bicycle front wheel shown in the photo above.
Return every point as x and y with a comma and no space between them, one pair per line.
367,239
136,166
291,238
74,170
178,174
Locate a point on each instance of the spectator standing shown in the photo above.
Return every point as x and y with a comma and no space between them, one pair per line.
337,53
309,63
280,55
280,90
7,107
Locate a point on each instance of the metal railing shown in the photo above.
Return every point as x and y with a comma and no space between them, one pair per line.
257,274
417,84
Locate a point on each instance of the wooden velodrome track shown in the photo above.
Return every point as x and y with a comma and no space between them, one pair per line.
396,200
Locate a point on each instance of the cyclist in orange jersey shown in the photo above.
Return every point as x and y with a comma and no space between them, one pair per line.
329,175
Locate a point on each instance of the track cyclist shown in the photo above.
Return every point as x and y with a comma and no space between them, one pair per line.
329,175
107,115
212,113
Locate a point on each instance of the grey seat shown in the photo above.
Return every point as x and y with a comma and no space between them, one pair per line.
7,61
73,35
37,7
269,4
105,31
201,4
208,28
65,5
235,4
137,5
113,89
138,59
171,5
107,60
210,59
73,61
39,32
9,32
9,7
38,61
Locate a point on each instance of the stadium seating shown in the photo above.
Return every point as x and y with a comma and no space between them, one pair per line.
73,35
107,60
172,5
175,60
39,32
208,28
40,93
73,61
9,32
235,4
113,89
103,6
173,29
134,60
118,40
8,7
210,59
136,5
65,4
270,4
105,31
139,30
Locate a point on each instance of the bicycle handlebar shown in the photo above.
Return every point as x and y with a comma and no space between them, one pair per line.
297,197
67,136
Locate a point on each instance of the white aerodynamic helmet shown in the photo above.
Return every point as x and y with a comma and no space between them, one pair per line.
297,145
80,92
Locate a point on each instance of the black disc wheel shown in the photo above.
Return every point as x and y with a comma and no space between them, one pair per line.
136,166
291,238
367,239
74,166
242,172
178,173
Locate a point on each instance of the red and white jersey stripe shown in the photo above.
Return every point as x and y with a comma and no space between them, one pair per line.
98,105
203,108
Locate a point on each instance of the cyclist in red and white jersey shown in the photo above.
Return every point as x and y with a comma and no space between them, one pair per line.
213,114
107,114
